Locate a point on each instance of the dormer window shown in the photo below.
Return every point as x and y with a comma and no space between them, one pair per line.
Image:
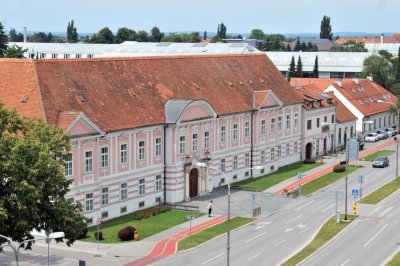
329,101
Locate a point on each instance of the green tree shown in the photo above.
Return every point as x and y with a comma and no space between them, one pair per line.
381,70
205,35
156,34
315,72
105,35
3,40
297,46
125,34
292,69
72,34
326,29
182,37
299,67
385,54
288,48
221,32
14,37
38,37
142,36
32,182
15,51
257,34
398,68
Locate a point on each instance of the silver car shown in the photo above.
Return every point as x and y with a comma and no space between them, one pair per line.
371,137
391,131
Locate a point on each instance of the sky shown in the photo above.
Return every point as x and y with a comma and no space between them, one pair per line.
239,16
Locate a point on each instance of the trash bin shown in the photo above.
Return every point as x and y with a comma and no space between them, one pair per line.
135,235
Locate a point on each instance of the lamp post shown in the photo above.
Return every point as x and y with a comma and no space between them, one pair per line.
397,130
228,230
16,247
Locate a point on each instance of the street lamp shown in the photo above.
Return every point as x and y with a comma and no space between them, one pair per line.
16,248
228,230
397,130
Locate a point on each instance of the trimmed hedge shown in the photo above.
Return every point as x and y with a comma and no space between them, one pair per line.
339,168
100,236
139,215
309,161
84,232
126,233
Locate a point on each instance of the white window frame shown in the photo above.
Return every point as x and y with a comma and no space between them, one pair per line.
263,127
195,141
287,149
158,147
223,165
279,123
88,161
182,145
246,129
222,134
141,150
262,157
296,120
295,149
104,196
235,134
288,122
158,181
123,191
272,154
235,162
206,139
142,186
272,125
103,157
247,159
68,164
123,153
89,202
279,151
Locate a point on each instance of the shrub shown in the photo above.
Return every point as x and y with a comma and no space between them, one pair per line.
100,236
83,232
309,161
126,233
339,168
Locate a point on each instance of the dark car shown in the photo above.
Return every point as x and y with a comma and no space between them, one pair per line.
380,161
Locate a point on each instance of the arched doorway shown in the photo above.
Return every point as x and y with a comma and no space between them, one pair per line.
193,182
324,146
308,150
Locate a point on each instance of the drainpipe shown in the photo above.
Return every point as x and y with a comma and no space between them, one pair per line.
251,144
165,164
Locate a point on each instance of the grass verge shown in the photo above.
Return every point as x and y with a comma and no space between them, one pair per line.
145,228
324,181
381,193
205,235
283,173
327,232
372,157
394,261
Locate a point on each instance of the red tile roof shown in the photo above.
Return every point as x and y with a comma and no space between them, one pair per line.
395,38
315,87
365,94
122,93
313,97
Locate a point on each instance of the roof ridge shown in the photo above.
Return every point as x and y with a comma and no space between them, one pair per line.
37,86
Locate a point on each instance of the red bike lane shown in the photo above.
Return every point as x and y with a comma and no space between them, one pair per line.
168,246
330,168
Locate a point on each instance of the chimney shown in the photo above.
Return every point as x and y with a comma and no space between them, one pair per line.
370,77
25,35
382,38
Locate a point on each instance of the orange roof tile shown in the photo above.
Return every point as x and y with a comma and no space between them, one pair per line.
122,93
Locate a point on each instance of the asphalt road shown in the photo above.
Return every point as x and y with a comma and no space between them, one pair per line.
272,240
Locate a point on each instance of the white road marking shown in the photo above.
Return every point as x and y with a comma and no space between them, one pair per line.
304,205
257,236
301,226
258,254
280,242
379,207
294,219
372,238
385,211
288,230
213,258
262,225
346,261
327,208
302,231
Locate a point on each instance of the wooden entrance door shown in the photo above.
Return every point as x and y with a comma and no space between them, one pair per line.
193,183
308,150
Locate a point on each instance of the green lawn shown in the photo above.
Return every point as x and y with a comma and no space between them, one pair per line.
381,193
145,227
372,157
394,261
327,232
324,181
211,232
283,173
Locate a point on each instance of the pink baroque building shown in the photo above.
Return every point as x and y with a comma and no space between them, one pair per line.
138,126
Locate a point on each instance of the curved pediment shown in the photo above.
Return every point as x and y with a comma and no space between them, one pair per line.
177,111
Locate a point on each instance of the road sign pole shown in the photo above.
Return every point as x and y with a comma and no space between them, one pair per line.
337,213
299,176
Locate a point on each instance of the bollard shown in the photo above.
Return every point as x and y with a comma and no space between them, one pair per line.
337,217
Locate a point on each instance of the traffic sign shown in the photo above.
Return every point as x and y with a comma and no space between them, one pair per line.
253,196
355,208
98,221
354,192
352,149
360,179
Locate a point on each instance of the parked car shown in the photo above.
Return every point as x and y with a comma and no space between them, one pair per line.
391,131
382,134
380,161
371,137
